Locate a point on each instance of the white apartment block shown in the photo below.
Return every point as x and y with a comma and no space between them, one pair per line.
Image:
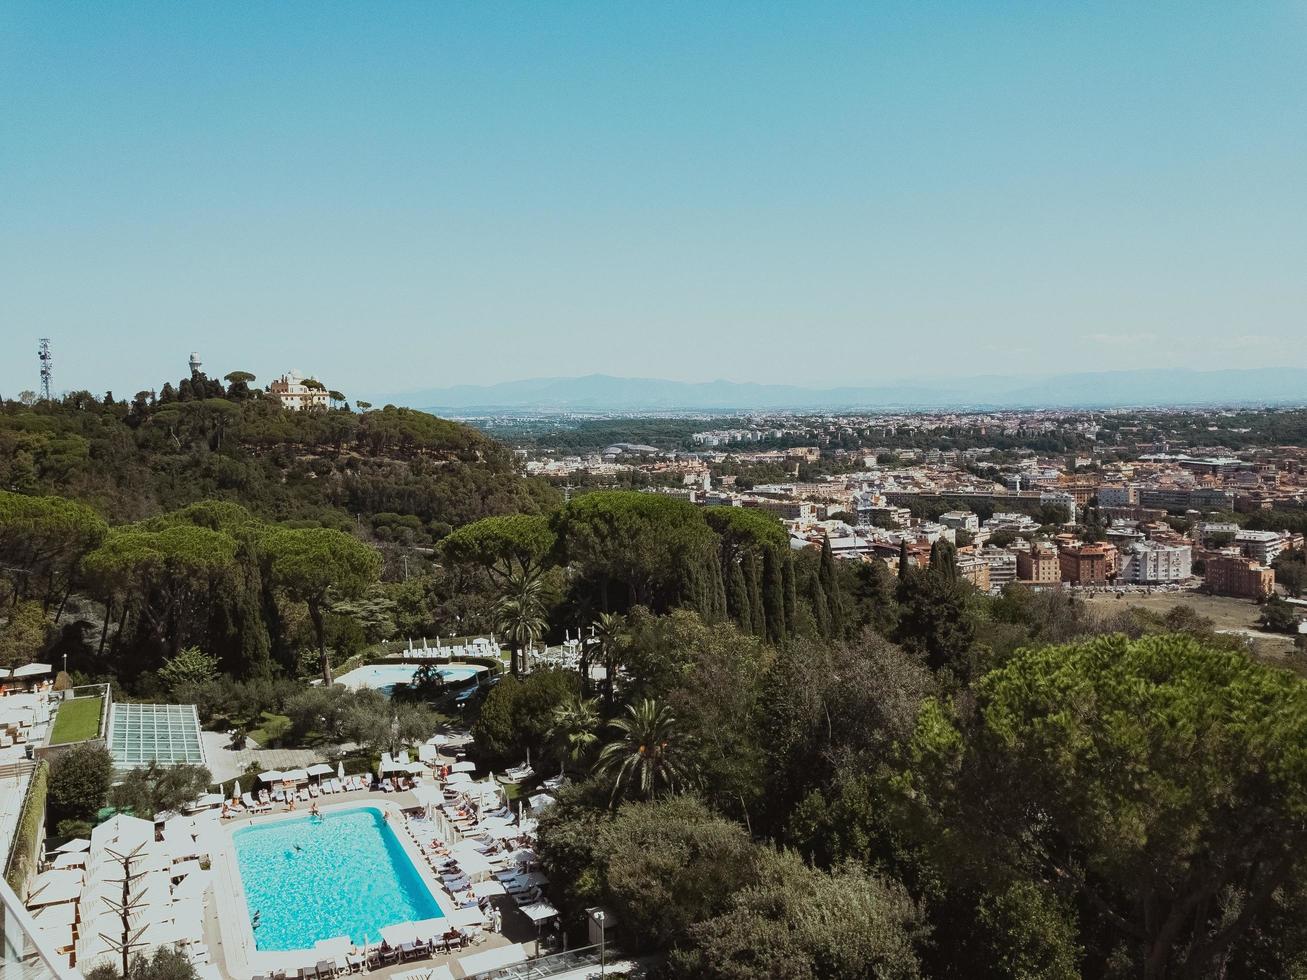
1261,546
1150,563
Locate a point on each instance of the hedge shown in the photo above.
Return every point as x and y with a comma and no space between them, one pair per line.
29,825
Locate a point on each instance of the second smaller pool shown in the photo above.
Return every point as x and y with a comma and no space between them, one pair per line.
384,677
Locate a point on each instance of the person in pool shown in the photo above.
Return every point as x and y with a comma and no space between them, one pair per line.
314,811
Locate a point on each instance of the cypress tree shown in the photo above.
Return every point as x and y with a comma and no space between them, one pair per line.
944,561
791,599
904,565
820,606
830,584
773,595
737,598
756,606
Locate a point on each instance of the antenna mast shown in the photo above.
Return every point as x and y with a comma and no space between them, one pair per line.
47,366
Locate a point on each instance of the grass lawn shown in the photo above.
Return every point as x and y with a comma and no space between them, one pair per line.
77,720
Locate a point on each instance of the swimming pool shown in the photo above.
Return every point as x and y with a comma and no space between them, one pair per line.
384,677
342,874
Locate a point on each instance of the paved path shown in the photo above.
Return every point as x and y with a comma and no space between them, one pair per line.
227,763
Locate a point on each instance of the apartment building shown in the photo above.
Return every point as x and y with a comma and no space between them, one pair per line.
1153,563
1261,546
1118,496
1235,576
1084,564
975,570
1039,566
960,520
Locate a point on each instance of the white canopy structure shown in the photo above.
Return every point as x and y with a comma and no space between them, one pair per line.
466,918
539,912
55,887
491,959
122,833
320,769
272,776
488,888
463,767
74,845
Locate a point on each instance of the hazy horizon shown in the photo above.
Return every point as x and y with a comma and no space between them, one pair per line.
407,197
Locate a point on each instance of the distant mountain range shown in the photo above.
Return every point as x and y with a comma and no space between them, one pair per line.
1103,389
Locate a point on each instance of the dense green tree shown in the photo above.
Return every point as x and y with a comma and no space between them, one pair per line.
517,543
191,666
157,789
314,565
79,782
520,613
830,585
798,923
165,963
23,634
573,732
641,549
1158,782
650,755
669,864
386,725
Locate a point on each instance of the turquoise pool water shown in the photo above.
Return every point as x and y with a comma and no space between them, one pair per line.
384,677
341,874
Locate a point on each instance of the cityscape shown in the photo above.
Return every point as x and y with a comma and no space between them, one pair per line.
664,491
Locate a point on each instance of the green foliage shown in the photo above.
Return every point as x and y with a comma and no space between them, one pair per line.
1157,775
23,848
165,963
519,715
79,782
642,549
312,565
501,544
155,789
801,923
191,667
650,755
385,725
1278,616
669,864
1030,933
24,634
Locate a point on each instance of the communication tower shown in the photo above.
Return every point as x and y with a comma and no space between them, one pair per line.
47,367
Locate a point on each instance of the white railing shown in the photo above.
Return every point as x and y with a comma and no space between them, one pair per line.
23,954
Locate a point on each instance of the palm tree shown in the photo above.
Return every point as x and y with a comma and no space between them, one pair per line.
607,636
572,729
520,613
649,754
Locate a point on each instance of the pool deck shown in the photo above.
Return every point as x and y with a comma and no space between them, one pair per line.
227,922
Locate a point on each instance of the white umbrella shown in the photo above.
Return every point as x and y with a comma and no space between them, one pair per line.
54,915
340,769
235,789
319,769
272,776
458,778
76,844
487,889
463,767
70,860
295,776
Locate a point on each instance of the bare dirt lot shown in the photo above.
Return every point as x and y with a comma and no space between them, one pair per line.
1238,616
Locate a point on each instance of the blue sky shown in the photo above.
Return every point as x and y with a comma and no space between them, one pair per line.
397,196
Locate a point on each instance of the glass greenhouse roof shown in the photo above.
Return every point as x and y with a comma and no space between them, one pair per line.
168,734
